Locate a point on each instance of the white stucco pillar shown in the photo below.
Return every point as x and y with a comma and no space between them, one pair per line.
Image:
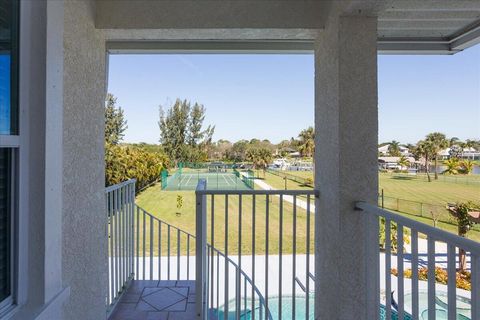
345,158
84,258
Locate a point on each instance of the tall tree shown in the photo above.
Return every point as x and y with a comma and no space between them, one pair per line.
174,130
307,142
453,141
260,157
425,150
394,148
181,132
438,142
115,123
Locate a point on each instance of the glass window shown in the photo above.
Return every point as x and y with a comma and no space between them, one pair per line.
8,67
9,17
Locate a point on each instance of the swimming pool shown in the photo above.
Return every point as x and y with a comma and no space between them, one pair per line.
463,308
273,306
463,305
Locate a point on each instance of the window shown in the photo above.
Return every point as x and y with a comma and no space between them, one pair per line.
9,145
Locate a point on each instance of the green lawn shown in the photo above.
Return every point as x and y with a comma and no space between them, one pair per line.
420,197
162,204
437,192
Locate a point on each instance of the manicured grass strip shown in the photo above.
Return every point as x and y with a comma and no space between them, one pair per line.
162,204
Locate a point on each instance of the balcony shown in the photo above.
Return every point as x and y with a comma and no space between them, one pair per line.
156,269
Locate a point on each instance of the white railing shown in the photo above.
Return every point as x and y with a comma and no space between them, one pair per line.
223,286
143,247
417,244
120,206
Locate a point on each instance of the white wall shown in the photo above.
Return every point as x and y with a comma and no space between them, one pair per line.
84,221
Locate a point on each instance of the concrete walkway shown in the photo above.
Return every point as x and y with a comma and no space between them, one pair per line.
300,203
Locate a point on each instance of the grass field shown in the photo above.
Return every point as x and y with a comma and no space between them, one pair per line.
162,204
437,193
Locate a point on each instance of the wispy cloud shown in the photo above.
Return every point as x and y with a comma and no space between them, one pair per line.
191,65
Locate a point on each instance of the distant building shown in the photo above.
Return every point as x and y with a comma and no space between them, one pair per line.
289,152
391,163
384,150
466,153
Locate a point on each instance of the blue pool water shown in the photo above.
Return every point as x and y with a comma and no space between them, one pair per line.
273,306
463,308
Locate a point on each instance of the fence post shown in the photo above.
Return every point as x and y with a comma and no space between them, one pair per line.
200,248
383,200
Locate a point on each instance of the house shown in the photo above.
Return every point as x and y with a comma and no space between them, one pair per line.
391,163
384,150
464,153
289,152
70,249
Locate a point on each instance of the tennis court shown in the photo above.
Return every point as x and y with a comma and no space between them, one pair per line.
215,181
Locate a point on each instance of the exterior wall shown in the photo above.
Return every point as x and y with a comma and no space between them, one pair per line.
84,261
346,169
211,14
32,133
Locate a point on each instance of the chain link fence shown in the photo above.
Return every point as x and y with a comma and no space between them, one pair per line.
436,213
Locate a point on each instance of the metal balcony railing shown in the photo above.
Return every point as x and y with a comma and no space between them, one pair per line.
253,253
120,207
143,247
269,253
406,232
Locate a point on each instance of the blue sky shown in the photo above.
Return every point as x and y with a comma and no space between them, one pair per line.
272,96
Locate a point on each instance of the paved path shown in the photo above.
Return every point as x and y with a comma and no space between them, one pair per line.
300,203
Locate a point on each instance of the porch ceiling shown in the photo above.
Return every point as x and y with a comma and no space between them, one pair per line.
404,26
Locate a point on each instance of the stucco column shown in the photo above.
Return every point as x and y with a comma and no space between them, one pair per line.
85,251
346,263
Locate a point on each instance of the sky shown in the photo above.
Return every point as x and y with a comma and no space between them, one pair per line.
272,96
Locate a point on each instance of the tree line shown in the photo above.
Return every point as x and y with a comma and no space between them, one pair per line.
122,161
429,148
183,137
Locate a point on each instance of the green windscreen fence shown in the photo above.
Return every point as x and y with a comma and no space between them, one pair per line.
218,177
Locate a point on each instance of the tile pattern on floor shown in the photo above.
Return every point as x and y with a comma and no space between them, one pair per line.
157,300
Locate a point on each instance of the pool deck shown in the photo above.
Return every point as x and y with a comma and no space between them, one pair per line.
156,300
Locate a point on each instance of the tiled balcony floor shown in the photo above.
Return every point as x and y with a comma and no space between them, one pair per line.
157,300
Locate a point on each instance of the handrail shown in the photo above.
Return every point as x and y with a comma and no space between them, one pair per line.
437,234
119,185
315,192
247,278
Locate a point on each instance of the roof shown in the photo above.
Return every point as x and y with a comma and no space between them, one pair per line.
404,26
436,26
394,159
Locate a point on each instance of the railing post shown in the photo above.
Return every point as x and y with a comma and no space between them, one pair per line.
200,248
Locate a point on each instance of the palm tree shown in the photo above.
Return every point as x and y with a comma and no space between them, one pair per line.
260,158
453,141
452,166
403,162
466,166
307,142
394,148
424,149
438,142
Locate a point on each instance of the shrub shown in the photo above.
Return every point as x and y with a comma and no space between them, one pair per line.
125,162
463,278
309,181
